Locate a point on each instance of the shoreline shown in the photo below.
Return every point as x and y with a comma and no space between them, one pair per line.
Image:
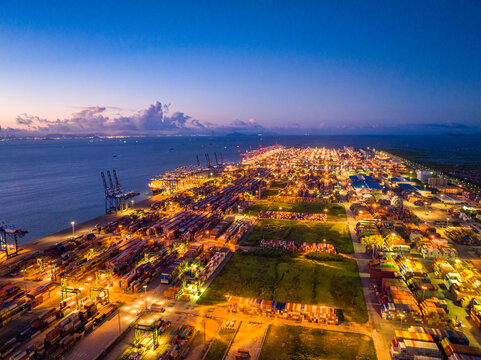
85,227
80,229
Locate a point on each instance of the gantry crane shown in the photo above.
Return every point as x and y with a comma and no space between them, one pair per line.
67,292
115,198
100,291
9,235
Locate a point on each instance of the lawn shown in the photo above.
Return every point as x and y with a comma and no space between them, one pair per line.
269,192
278,185
301,343
220,344
335,212
301,231
333,282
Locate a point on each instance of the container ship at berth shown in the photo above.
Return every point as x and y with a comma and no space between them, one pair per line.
260,152
186,177
179,179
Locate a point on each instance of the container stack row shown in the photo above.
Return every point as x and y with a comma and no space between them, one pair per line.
291,246
290,311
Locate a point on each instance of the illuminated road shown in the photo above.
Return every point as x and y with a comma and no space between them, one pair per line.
91,346
384,329
249,337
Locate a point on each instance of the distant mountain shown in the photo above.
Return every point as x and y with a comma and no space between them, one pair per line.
460,134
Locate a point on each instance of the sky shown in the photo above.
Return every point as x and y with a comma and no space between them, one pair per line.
222,66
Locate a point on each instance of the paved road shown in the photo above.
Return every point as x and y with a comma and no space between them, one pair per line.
384,331
249,337
94,344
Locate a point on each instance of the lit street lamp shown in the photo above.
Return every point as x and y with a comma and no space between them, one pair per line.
402,317
424,294
145,296
73,227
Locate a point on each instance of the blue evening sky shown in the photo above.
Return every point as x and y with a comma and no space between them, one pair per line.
315,64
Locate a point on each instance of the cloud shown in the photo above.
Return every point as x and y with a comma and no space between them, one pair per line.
154,119
25,119
245,124
93,119
238,122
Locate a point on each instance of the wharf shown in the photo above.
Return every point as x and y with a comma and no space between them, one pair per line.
80,229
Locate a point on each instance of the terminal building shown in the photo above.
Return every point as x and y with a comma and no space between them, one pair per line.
437,182
423,175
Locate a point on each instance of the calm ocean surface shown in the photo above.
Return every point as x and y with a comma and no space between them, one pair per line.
44,185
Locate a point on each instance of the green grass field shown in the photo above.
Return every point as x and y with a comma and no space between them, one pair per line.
220,344
333,282
278,185
269,192
301,231
300,343
335,212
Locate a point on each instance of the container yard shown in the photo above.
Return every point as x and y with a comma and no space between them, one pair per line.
289,311
342,240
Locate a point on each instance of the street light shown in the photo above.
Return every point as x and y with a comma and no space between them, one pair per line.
145,296
424,294
402,317
73,227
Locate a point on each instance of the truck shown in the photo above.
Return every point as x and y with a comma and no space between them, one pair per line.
242,354
409,349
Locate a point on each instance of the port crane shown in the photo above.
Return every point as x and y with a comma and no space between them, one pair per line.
73,292
116,199
207,160
9,235
100,292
